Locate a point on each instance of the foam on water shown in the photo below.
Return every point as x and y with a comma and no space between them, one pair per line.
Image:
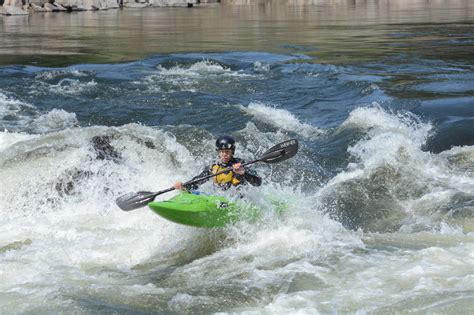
65,214
69,86
415,188
56,119
417,273
388,230
7,139
261,67
201,68
387,134
281,118
16,115
192,77
65,242
53,74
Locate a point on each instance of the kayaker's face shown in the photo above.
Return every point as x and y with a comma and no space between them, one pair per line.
225,155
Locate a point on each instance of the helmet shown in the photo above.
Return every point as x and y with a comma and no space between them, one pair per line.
225,142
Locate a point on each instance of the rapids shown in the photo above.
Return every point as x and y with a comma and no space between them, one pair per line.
380,196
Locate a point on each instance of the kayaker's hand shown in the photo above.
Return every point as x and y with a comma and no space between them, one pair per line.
179,185
238,169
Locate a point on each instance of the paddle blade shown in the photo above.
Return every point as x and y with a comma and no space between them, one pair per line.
281,152
135,200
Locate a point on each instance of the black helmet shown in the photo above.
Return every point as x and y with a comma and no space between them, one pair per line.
225,142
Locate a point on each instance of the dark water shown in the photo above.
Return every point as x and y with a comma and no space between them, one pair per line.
380,197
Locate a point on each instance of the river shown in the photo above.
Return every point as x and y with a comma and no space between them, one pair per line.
379,199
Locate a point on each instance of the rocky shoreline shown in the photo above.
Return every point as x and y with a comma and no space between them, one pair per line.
25,7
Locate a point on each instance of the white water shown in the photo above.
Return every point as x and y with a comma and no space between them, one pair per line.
18,115
281,118
198,76
70,249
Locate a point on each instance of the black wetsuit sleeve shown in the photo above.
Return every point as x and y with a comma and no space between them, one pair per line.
196,185
252,178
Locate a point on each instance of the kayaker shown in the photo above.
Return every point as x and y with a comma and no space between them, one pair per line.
225,146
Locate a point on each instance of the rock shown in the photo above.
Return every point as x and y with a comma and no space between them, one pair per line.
104,150
50,7
92,4
78,8
108,4
112,4
59,7
12,10
135,5
170,3
65,3
13,7
37,8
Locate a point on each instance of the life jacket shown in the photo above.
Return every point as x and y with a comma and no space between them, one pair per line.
224,178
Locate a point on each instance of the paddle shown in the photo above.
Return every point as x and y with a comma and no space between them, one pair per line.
277,153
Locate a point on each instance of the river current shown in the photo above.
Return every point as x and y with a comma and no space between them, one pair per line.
380,197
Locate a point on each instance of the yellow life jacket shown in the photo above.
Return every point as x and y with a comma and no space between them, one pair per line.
224,178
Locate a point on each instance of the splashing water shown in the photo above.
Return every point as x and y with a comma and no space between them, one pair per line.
374,220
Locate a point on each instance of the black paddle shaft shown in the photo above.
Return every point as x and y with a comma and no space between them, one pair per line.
277,153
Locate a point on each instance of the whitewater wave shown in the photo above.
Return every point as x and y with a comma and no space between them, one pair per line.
61,227
8,139
281,118
68,86
192,78
18,116
53,74
14,113
261,67
54,120
205,67
67,82
393,184
61,180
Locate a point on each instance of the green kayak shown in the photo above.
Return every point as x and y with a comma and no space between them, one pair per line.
202,210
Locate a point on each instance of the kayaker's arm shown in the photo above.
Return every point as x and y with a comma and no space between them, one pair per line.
252,178
196,185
